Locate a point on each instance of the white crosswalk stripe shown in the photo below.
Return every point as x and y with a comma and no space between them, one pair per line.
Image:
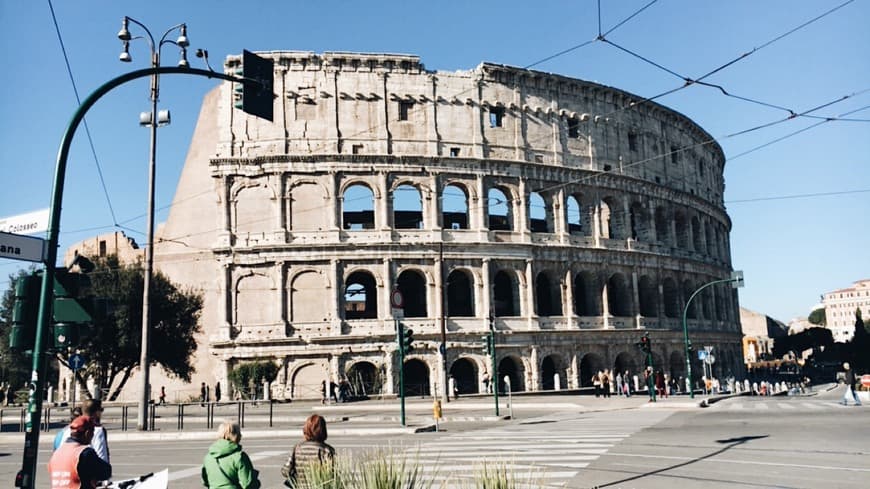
539,459
771,406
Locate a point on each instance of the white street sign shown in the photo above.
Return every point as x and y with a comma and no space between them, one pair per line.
19,247
30,223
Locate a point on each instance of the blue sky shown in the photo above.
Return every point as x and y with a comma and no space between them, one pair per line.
791,250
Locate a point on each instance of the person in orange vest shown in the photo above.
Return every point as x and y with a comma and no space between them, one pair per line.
75,465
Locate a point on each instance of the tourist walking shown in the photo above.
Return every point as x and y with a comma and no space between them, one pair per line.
605,383
851,384
226,465
596,382
308,454
75,463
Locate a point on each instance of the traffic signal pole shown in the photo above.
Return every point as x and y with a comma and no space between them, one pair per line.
26,477
400,337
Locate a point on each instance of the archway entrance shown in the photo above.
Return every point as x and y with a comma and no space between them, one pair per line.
590,364
364,379
464,374
510,368
416,374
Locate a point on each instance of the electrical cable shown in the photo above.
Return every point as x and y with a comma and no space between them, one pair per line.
84,121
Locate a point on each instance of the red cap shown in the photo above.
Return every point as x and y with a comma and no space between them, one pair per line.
81,425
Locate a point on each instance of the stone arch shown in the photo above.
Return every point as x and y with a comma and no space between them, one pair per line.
586,295
548,298
681,227
573,216
500,209
465,378
514,369
454,207
249,306
365,379
540,216
608,217
252,208
412,284
416,374
696,235
677,365
648,293
306,378
306,298
711,240
553,365
460,294
590,364
663,230
505,292
624,362
671,295
358,207
307,208
638,222
360,295
407,207
619,296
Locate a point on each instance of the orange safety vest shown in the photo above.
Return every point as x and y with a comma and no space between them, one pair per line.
63,466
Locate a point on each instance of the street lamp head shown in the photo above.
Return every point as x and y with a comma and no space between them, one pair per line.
182,63
125,55
124,34
182,40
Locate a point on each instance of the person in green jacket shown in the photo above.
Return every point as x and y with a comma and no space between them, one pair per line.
226,465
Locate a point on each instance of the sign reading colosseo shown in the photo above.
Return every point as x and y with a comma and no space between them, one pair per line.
29,223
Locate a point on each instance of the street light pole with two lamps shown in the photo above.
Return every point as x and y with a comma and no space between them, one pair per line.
153,120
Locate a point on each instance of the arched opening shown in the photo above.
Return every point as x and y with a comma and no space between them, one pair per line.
572,215
605,219
538,222
682,230
677,366
360,296
412,285
464,373
671,298
663,231
638,221
551,367
508,367
590,364
454,207
547,300
688,290
249,292
711,240
585,303
305,209
305,383
618,296
407,208
696,235
706,298
248,212
364,379
460,294
358,208
649,297
307,301
505,293
625,363
499,210
416,374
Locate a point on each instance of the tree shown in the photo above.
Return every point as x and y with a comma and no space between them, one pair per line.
252,373
859,347
814,338
817,316
113,349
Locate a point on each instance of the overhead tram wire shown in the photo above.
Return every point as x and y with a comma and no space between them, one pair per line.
799,196
84,120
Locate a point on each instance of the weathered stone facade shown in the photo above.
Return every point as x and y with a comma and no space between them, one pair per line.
575,214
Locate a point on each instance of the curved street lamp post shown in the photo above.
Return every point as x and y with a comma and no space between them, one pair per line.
736,281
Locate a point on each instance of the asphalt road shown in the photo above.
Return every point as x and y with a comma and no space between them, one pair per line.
803,442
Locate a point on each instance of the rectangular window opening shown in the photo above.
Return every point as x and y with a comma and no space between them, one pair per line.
454,152
632,141
102,248
357,149
405,107
496,117
675,154
573,128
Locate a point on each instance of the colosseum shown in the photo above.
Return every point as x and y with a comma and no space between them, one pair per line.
569,216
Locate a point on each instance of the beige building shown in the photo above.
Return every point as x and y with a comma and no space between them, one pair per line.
759,334
840,306
569,216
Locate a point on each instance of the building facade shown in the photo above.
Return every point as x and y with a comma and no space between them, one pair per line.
569,216
840,306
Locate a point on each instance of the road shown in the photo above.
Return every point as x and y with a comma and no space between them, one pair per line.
804,442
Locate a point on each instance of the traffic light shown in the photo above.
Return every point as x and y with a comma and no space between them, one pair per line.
407,340
644,343
24,312
254,96
71,314
487,344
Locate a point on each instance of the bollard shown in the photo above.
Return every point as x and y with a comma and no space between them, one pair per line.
436,411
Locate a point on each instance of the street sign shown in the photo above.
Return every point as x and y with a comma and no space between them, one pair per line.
702,355
76,361
19,247
865,380
710,360
30,223
396,299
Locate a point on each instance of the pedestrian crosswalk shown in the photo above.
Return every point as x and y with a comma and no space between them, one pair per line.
534,457
766,405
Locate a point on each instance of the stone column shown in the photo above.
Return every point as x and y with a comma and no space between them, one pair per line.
635,306
337,303
333,131
385,146
521,215
480,210
226,300
385,312
485,293
568,299
535,377
477,140
432,116
530,313
334,199
383,202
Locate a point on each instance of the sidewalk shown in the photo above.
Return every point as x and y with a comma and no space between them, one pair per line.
363,418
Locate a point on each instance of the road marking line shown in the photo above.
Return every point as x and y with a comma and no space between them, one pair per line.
733,461
183,474
786,406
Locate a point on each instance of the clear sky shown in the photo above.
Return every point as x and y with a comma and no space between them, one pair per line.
791,250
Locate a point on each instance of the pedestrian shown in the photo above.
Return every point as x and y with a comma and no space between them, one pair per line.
333,391
626,387
162,395
226,465
619,383
75,464
202,394
343,390
486,383
217,392
851,385
63,433
596,382
93,409
660,384
322,392
309,454
605,383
